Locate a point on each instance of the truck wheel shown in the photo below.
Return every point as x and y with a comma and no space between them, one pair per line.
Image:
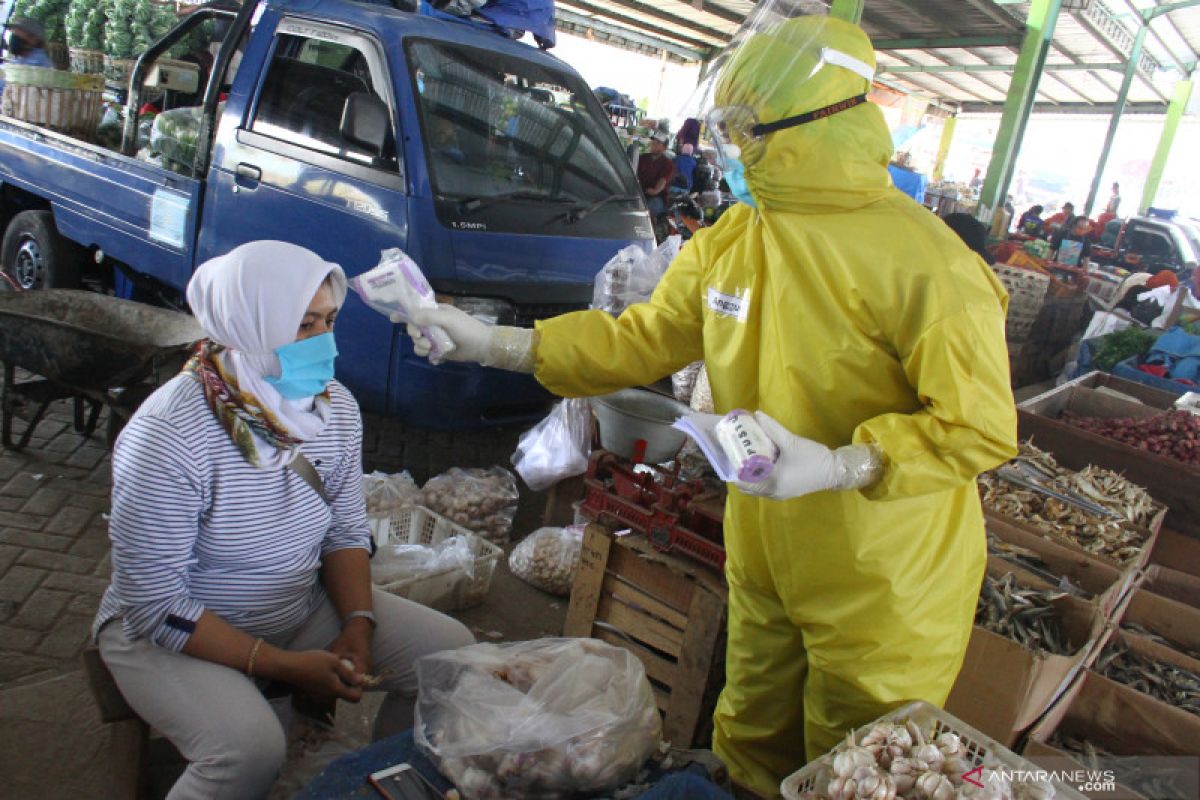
35,256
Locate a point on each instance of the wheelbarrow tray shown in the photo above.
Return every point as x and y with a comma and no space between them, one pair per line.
89,341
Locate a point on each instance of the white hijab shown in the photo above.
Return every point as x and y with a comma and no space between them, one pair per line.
252,300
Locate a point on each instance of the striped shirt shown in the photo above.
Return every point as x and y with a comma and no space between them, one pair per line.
194,526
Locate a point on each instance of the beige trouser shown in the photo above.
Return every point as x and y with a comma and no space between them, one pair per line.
220,721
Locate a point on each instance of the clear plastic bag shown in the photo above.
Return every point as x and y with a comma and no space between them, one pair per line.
630,276
387,491
395,562
481,500
548,558
541,719
557,447
683,382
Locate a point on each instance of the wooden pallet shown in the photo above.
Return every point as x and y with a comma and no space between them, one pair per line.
667,611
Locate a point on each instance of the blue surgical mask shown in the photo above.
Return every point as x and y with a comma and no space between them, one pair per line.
306,367
735,176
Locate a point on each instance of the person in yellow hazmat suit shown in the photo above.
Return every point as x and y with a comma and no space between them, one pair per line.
870,341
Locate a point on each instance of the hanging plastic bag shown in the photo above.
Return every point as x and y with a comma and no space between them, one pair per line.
386,492
541,719
630,276
557,447
481,500
548,558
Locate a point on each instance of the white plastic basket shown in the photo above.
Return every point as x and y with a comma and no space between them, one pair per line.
449,589
980,750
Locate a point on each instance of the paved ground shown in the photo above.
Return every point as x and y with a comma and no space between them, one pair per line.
54,566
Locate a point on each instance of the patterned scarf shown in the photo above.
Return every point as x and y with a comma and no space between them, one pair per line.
244,417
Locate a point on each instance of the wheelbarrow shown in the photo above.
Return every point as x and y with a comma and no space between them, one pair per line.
100,351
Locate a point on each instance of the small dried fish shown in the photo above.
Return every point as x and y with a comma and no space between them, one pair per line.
1148,781
1138,629
1166,682
1027,616
1032,562
1117,533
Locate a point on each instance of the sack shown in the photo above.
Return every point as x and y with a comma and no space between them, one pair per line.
548,558
540,719
630,276
557,447
481,500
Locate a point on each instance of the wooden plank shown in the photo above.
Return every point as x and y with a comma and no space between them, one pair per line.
586,590
662,699
640,626
706,620
670,588
1085,402
657,667
632,595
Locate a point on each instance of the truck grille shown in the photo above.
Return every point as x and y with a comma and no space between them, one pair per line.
528,313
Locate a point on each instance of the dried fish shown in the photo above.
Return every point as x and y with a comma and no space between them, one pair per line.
1166,682
1026,616
1154,780
1072,511
1138,629
1032,562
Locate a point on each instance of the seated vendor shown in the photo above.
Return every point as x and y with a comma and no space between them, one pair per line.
1072,245
239,534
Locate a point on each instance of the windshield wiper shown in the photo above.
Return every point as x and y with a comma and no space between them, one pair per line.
470,205
576,214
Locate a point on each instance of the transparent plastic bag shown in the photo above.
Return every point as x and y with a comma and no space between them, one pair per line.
385,492
175,134
481,500
395,562
548,558
557,447
541,719
683,382
630,276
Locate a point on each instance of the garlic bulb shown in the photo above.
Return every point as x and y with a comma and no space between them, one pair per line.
949,744
880,734
914,731
901,737
935,786
930,755
850,759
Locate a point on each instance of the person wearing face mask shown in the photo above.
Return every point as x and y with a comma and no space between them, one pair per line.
239,535
870,341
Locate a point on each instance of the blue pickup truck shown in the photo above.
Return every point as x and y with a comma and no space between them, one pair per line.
347,127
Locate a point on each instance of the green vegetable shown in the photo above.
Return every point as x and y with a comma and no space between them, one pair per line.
1116,347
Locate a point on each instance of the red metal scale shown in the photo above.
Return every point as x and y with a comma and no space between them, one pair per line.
681,516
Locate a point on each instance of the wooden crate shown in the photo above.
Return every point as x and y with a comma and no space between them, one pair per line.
667,611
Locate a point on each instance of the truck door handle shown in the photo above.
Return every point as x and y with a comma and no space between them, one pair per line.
248,174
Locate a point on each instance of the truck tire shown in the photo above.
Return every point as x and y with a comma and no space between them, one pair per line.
34,255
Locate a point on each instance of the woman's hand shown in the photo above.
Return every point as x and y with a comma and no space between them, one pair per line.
354,644
320,673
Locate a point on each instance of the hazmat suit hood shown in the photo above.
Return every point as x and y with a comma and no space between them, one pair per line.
835,163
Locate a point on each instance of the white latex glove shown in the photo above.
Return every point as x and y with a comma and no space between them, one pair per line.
500,346
805,466
472,338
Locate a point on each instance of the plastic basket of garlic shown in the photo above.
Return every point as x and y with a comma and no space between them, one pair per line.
447,586
919,752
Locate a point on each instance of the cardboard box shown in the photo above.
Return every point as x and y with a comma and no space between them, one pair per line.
1176,622
1157,651
1150,535
1169,481
1003,688
1107,584
1072,395
1122,721
1176,550
1172,583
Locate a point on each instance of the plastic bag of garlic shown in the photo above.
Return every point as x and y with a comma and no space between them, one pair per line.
481,500
387,491
548,558
542,719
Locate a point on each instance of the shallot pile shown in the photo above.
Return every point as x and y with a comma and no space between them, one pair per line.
899,760
1174,434
481,500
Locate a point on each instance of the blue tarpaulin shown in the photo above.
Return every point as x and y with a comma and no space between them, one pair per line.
911,183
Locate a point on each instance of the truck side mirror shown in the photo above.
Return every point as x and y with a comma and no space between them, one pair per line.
366,122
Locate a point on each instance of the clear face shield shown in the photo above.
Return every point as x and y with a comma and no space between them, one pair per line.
753,86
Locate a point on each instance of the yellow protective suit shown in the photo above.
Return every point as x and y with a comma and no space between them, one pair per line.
851,314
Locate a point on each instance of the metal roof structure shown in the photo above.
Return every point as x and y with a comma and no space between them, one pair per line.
960,53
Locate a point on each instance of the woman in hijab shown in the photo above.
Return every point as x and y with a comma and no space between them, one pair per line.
231,568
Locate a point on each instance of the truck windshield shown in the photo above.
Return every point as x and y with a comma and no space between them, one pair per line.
498,128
